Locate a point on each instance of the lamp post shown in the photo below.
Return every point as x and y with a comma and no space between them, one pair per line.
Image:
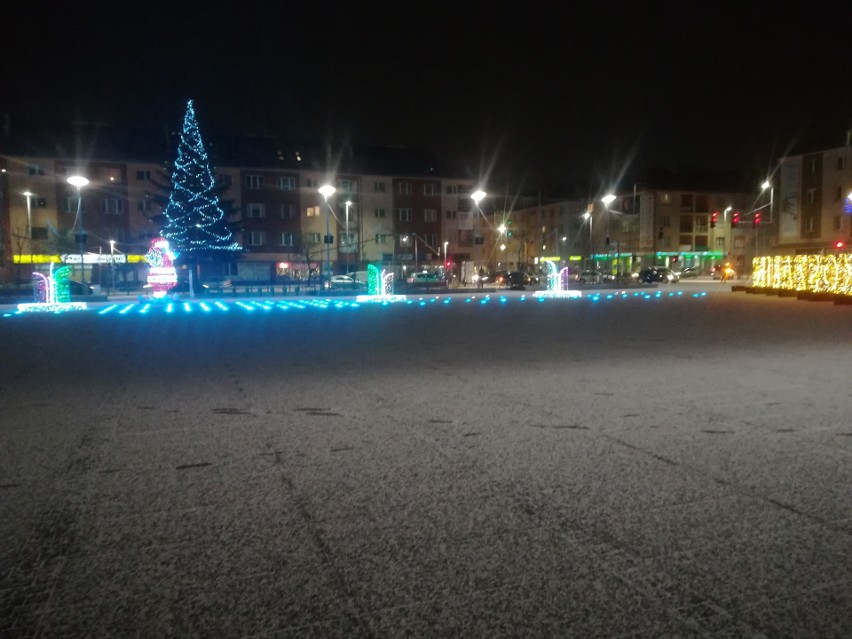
112,264
28,195
588,216
79,182
477,197
608,199
348,204
327,190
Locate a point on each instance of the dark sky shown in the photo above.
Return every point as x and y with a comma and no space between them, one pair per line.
538,93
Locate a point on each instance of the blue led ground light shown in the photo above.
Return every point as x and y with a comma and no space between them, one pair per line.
270,307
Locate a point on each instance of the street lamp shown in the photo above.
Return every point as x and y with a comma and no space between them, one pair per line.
28,195
588,216
78,181
348,204
112,263
768,185
327,190
477,197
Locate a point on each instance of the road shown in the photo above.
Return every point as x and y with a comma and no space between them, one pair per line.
635,466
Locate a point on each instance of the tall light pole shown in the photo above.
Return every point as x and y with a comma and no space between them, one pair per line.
327,190
477,197
588,216
28,195
608,199
112,263
79,182
348,247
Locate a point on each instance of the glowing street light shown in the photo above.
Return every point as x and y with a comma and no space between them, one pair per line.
78,181
327,190
477,197
348,204
28,195
608,199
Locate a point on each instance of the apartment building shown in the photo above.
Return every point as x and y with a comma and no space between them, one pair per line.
400,208
813,200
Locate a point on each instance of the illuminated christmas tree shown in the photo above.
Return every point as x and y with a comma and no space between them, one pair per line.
195,222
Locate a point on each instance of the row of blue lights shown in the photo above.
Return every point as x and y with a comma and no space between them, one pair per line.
171,307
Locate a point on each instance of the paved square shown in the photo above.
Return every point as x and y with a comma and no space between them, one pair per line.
672,466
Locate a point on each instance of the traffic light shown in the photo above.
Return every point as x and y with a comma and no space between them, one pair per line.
508,233
756,219
735,220
713,219
839,245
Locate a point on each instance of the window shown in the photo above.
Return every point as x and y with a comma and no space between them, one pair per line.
433,240
665,198
701,203
144,176
35,169
479,240
841,162
838,194
685,240
348,240
256,238
812,166
69,205
739,242
256,210
286,239
664,221
686,201
224,180
286,211
836,222
452,189
286,183
809,225
313,211
144,205
720,242
348,186
311,238
381,238
112,205
379,187
811,196
403,188
380,212
404,215
451,215
430,189
430,215
686,223
311,183
39,232
38,202
254,182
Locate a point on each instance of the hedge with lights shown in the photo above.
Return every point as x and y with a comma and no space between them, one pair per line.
811,273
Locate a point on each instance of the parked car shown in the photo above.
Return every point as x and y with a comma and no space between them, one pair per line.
658,274
511,279
531,280
341,281
690,271
80,288
593,277
426,280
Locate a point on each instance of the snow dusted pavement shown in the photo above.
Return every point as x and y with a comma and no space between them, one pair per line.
672,466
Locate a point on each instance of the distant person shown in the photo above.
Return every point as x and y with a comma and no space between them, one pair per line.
481,280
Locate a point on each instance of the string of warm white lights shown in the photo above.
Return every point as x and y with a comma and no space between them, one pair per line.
813,273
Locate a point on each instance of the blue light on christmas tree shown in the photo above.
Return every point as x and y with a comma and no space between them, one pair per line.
195,225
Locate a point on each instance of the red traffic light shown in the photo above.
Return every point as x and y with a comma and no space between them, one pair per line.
735,220
839,244
714,218
757,218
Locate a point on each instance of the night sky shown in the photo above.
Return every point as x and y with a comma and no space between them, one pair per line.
533,94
